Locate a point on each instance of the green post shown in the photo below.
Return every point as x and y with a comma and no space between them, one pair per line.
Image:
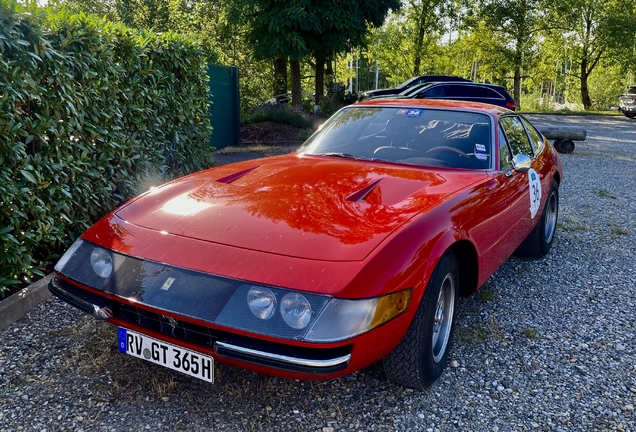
224,105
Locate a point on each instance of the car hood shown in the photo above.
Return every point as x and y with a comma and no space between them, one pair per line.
312,207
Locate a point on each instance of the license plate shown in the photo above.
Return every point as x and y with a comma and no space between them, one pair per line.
166,354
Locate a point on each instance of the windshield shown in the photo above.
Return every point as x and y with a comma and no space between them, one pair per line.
415,89
416,136
406,84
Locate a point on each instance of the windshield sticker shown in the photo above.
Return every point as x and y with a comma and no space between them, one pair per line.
480,152
401,112
414,113
535,192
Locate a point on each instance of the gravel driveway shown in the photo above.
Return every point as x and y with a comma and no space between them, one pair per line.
545,345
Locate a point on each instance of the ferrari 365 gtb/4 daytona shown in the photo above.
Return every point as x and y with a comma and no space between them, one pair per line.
316,264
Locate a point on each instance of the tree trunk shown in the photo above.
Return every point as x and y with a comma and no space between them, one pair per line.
419,42
585,92
517,87
295,76
280,76
320,78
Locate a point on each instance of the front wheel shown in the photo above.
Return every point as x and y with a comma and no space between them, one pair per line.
421,357
540,239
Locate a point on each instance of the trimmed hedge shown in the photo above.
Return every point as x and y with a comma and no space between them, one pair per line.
90,113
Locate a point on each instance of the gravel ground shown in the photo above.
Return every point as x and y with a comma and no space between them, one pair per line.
545,345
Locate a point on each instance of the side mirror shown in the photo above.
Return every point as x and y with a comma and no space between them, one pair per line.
521,163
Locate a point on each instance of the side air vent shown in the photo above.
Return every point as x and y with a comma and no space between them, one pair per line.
232,177
364,192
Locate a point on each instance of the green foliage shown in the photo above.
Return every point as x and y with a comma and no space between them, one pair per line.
607,84
328,106
89,112
277,113
305,134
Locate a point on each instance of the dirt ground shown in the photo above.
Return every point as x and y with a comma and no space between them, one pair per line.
260,140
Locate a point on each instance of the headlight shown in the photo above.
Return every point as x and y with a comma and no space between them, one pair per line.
68,255
296,310
343,319
262,302
101,262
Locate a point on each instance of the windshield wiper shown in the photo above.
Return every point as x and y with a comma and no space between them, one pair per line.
342,155
347,156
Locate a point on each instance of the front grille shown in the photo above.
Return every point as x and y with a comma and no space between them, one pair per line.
182,330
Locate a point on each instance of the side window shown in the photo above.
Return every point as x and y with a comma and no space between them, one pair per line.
535,138
460,91
473,91
505,159
487,93
435,92
517,136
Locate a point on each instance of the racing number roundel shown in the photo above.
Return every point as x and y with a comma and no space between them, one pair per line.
535,192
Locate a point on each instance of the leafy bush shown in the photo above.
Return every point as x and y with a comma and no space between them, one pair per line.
90,111
277,113
343,96
328,106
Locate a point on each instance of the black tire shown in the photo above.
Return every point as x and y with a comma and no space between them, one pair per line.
421,357
540,239
629,115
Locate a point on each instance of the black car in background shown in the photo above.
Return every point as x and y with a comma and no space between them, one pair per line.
409,84
466,91
627,102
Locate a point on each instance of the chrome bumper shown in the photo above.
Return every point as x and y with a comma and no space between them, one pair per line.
99,312
242,353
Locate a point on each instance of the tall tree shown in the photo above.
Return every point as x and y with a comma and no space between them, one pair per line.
595,30
296,29
517,24
427,17
343,26
278,31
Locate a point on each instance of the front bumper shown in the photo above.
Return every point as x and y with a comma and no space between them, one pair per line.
223,345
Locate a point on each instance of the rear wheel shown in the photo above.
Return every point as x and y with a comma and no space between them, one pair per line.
421,357
539,241
630,115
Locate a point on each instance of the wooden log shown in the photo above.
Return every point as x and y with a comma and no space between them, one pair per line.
563,133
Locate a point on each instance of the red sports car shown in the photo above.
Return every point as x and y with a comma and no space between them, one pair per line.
316,264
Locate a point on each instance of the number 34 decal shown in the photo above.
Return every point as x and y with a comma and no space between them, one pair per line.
535,192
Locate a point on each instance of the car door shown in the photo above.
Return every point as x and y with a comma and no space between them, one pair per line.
492,237
524,188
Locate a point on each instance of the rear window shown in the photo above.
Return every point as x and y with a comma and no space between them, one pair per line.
415,136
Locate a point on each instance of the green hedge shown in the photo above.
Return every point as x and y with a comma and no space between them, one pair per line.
90,113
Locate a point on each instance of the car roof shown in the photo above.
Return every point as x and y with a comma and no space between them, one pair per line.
493,110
